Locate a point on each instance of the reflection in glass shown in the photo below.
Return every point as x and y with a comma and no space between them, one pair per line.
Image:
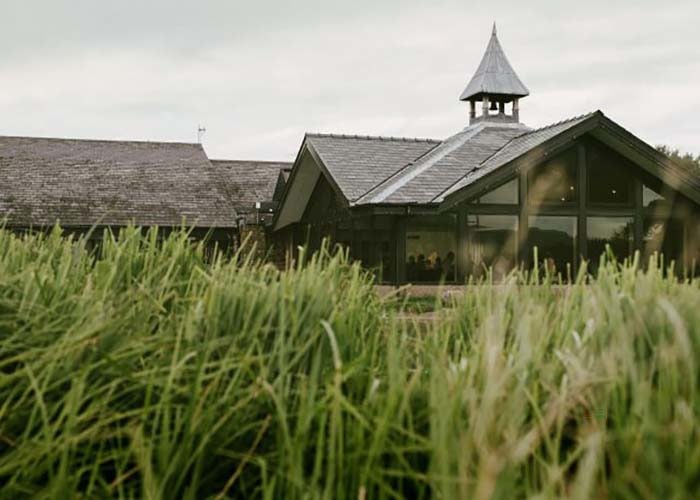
555,239
385,268
693,249
651,198
431,249
663,237
617,232
609,184
507,194
555,181
492,243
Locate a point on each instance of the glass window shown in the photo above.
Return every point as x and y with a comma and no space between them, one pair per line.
507,194
693,248
664,237
555,240
617,232
492,244
431,249
556,181
652,198
385,261
609,184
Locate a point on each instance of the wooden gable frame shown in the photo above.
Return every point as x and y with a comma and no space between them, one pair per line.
606,131
307,149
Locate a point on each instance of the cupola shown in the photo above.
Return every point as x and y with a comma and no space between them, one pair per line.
495,85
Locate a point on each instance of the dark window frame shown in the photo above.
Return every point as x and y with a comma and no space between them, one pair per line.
454,226
517,230
583,207
477,201
612,205
529,181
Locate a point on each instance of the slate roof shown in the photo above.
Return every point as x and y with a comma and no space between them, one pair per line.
86,182
517,146
359,163
495,75
248,182
375,170
428,177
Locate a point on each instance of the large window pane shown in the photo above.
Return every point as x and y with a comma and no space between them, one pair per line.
609,179
555,240
652,199
384,251
617,232
492,243
693,249
507,194
664,237
609,186
554,182
430,249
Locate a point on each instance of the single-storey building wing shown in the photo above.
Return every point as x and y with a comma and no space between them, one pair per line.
86,184
421,210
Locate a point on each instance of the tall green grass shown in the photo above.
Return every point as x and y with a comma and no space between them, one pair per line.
150,370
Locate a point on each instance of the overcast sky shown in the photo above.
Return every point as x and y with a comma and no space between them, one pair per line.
258,73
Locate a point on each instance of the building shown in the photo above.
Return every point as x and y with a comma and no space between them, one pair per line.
255,189
413,210
420,210
86,186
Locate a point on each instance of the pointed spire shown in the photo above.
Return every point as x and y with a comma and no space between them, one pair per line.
495,75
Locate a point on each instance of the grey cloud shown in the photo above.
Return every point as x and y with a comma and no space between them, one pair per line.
260,74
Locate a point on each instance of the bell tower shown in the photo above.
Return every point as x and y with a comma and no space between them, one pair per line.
495,85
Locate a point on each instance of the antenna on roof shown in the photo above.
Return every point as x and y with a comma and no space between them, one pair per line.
200,133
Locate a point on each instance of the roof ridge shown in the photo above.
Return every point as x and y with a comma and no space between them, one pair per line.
508,143
270,162
546,127
561,122
372,191
111,141
425,161
372,137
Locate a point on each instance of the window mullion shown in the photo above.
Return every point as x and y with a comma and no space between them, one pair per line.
582,203
639,214
523,246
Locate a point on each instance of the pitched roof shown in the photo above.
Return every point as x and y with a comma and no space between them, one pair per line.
495,75
427,177
401,172
248,182
376,170
86,182
410,171
359,163
517,146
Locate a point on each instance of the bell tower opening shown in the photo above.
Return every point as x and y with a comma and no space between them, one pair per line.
494,109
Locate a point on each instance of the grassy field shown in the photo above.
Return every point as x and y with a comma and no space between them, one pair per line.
151,372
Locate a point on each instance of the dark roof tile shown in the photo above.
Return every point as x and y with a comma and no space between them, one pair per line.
248,182
359,163
89,182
